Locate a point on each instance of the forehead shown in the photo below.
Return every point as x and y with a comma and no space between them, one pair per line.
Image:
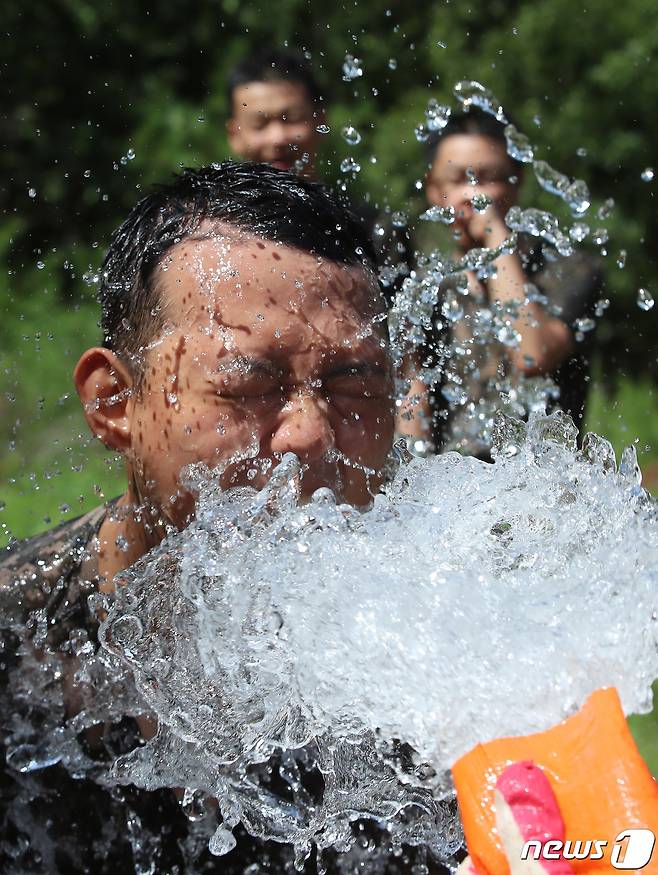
271,98
459,151
261,290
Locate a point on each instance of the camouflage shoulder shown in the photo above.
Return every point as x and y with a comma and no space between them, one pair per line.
48,549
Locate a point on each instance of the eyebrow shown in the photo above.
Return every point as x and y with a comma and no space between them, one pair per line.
248,365
361,366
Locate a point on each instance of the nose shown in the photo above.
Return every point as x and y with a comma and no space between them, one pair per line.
278,134
304,428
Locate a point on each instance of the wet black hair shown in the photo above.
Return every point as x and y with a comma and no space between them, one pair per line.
472,121
273,204
274,65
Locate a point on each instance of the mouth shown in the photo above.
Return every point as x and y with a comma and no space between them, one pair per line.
282,165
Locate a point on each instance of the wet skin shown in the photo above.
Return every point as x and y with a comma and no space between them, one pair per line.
274,122
266,350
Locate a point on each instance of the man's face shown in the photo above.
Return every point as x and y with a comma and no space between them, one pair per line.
267,350
274,122
461,159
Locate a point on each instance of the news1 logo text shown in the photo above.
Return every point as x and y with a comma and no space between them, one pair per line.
632,849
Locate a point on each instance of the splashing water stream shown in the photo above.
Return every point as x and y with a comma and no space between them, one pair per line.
473,601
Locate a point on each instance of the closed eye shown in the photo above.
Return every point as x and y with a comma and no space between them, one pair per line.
360,379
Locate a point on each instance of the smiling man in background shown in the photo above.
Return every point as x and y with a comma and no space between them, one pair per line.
277,114
276,110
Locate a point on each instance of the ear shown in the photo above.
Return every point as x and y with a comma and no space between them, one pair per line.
234,136
105,387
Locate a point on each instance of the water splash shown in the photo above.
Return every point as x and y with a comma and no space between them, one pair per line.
325,632
437,115
539,223
435,213
471,93
575,194
519,146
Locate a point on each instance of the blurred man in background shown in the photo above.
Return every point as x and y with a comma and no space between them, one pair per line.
278,117
276,109
545,295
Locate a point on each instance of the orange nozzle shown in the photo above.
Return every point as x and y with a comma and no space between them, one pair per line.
601,783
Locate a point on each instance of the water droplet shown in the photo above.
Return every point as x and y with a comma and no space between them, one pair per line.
91,277
481,202
122,543
647,174
579,231
575,194
40,265
519,146
349,165
439,214
472,93
352,68
601,306
126,631
605,210
551,180
644,299
437,115
600,236
130,154
392,64
87,174
508,335
351,135
421,133
222,842
32,192
452,308
323,129
581,152
585,324
621,259
399,220
441,45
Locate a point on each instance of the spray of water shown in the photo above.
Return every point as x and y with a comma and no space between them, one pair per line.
473,601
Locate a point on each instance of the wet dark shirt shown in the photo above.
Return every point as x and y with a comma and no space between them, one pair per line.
59,810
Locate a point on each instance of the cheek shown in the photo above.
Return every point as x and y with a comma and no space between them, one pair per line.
217,426
366,427
302,133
